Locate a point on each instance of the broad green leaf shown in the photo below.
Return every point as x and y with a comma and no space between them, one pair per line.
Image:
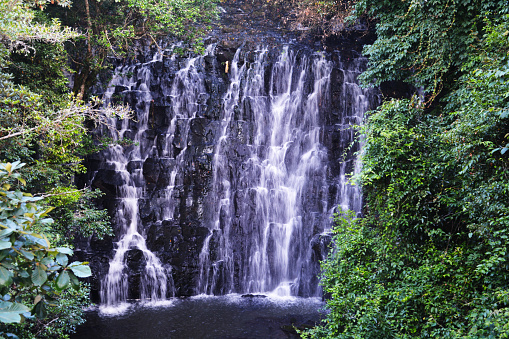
17,164
62,259
10,312
27,254
5,244
11,224
54,267
46,221
74,281
5,277
63,280
47,261
38,239
46,213
64,250
39,276
5,233
9,266
40,309
81,271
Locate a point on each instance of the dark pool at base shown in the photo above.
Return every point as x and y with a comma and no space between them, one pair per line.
226,317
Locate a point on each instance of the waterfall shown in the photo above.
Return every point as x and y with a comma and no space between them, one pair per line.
349,197
237,164
283,162
183,94
154,279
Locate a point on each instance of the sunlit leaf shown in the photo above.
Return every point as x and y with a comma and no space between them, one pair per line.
81,271
62,259
39,276
5,233
63,280
5,244
10,312
5,276
64,250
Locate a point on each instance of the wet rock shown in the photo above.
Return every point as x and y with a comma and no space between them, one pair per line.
249,295
397,89
186,195
134,165
110,177
151,170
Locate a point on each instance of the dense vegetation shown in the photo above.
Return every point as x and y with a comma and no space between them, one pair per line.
44,137
430,258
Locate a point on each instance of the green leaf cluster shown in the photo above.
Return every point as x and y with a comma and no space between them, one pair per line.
27,260
123,28
64,315
430,258
425,43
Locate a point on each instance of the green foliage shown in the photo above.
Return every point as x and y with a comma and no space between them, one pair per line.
430,259
29,266
384,287
423,42
122,28
76,214
175,17
64,315
42,71
17,26
38,117
42,125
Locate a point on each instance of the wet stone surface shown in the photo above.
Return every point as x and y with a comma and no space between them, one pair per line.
238,156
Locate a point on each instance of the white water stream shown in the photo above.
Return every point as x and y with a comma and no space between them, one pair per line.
271,191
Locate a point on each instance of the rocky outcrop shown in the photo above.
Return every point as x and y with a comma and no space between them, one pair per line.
205,239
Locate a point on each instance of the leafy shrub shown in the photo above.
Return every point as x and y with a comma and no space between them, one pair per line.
430,259
32,272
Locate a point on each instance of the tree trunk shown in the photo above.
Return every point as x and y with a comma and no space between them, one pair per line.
86,68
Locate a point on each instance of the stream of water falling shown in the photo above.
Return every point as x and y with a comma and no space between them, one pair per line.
284,159
271,188
183,92
155,278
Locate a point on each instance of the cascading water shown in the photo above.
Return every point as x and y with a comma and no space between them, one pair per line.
154,279
284,158
221,195
349,197
236,168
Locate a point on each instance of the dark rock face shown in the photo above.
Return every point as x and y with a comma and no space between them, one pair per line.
397,89
197,191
